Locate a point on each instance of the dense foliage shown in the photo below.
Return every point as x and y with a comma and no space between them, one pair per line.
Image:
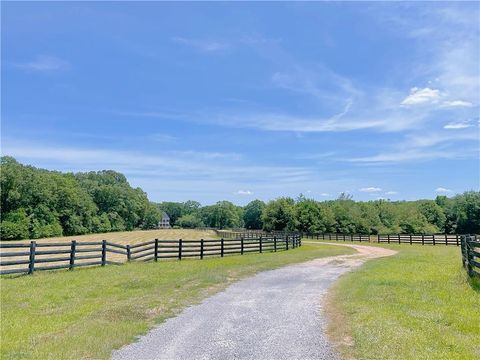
459,214
39,203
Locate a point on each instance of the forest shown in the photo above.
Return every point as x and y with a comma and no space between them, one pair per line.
37,203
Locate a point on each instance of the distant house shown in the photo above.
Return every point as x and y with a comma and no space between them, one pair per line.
164,223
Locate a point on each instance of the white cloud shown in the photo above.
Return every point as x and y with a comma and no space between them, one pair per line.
44,63
391,193
202,45
457,103
370,189
244,192
421,96
324,194
458,125
442,190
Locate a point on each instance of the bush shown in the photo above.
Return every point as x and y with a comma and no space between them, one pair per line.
189,222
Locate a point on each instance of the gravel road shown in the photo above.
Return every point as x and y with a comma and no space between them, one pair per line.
276,315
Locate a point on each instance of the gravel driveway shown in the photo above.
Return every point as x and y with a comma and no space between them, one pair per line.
276,314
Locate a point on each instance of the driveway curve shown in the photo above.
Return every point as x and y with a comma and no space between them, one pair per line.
275,314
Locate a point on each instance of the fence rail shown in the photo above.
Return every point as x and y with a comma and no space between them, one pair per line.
424,239
29,257
470,246
338,237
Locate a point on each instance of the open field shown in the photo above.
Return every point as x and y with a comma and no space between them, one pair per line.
86,313
417,304
135,237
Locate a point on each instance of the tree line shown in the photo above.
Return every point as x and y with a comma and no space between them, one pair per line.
459,214
38,203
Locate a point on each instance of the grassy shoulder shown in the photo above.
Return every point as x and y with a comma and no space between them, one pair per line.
86,313
417,304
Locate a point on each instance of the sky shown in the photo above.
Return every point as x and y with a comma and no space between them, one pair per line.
238,101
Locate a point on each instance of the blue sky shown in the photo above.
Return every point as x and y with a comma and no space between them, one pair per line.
217,101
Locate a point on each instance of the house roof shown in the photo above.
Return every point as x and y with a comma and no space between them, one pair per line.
165,216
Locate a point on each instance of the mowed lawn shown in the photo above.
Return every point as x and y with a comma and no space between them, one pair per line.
88,312
417,304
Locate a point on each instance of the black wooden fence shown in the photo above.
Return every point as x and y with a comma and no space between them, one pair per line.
24,257
337,237
471,254
423,239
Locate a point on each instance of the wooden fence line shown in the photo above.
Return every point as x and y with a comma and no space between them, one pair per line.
470,246
78,254
424,239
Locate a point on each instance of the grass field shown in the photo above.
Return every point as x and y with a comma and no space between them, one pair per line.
133,237
417,304
86,313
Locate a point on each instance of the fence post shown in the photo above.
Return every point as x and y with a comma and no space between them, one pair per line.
456,236
128,253
286,242
155,255
221,248
446,240
388,238
201,249
180,249
378,238
241,245
104,252
410,239
72,254
423,239
399,238
260,245
275,243
31,263
433,238
462,249
470,257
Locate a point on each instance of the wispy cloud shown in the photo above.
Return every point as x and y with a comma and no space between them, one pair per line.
442,190
457,103
459,125
202,44
159,137
421,96
391,192
177,164
244,192
371,189
43,63
437,145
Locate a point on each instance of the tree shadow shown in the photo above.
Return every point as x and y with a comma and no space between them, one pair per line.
474,283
